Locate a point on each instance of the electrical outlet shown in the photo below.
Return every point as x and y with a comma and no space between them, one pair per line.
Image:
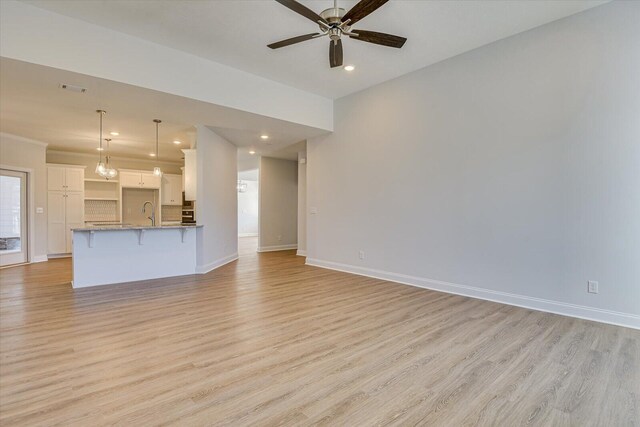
592,287
361,254
279,237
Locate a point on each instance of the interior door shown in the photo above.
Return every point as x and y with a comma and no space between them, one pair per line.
13,218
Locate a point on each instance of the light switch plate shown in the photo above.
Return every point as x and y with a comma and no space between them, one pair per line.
592,287
39,210
313,210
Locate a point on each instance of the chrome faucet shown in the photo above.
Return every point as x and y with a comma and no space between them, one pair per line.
153,212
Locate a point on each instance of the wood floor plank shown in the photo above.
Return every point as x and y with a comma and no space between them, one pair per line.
268,341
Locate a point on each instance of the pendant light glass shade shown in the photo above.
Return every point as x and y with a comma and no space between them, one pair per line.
157,171
101,169
109,172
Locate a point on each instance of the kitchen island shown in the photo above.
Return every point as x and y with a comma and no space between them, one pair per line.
110,254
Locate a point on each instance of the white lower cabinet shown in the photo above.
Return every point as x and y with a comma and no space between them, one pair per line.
65,207
65,211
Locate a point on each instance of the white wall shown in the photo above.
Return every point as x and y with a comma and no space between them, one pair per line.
34,35
22,153
248,210
278,204
216,200
302,203
511,172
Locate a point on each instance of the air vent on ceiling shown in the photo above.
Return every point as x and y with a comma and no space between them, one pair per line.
73,88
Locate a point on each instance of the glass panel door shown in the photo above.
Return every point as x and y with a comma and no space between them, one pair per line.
13,217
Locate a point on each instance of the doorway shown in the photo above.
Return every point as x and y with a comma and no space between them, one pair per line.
14,247
248,211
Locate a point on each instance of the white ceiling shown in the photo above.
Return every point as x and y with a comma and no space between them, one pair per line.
33,106
236,33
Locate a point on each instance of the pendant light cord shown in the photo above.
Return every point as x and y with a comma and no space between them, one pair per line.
101,114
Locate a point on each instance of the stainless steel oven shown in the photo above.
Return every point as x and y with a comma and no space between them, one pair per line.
188,211
188,216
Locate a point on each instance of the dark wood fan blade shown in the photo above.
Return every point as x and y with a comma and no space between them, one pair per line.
338,53
293,40
302,10
335,53
379,38
362,9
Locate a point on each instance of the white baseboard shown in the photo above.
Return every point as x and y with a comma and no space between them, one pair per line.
202,269
583,312
54,256
300,252
277,248
40,258
247,234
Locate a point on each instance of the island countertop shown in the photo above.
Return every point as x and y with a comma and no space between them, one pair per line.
116,227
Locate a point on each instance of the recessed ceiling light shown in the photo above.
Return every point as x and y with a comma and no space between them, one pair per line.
152,154
73,88
252,152
177,142
115,133
264,136
349,67
100,149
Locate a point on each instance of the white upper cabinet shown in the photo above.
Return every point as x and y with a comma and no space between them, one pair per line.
139,179
190,174
55,178
130,179
74,179
172,190
149,180
65,178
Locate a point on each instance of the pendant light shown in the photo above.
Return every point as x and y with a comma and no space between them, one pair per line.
100,167
110,172
157,171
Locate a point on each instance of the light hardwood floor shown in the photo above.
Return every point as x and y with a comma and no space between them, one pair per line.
267,340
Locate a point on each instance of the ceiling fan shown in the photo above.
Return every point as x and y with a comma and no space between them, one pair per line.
336,22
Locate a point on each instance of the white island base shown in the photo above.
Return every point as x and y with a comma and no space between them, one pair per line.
109,255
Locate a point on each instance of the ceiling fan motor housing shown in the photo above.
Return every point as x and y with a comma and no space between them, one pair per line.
333,15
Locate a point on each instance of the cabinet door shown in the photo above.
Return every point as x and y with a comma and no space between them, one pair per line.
166,190
74,211
149,180
56,241
177,190
130,179
55,178
74,179
172,190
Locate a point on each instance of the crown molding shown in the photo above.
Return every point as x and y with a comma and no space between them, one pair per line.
137,159
22,139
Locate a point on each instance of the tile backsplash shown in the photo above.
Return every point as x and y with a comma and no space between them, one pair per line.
171,213
100,210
